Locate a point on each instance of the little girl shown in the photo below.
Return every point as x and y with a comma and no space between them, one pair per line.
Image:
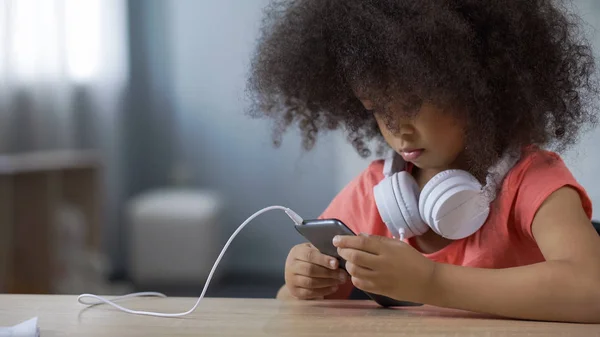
445,84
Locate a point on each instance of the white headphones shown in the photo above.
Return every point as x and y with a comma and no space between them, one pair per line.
453,203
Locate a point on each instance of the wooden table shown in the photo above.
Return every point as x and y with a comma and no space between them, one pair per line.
63,316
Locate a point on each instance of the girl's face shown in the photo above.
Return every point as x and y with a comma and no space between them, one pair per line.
431,140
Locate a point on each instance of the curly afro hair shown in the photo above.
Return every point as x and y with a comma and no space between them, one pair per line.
520,71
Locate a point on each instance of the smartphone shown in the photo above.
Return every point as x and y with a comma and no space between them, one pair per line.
320,233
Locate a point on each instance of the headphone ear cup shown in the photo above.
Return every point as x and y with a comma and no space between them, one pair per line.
407,193
452,204
396,198
425,201
386,204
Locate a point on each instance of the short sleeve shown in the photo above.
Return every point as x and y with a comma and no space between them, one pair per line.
355,204
535,180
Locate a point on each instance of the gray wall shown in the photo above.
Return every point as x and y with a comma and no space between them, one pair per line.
146,129
584,159
211,43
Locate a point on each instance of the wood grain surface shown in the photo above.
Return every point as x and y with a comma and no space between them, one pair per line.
64,316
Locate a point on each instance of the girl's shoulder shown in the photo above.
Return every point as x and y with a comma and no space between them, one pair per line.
538,171
537,175
535,159
355,204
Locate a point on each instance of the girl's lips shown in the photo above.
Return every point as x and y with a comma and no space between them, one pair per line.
410,155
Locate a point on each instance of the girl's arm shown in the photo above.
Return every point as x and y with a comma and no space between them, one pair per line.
564,288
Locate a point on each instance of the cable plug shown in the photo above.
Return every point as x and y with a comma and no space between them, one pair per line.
297,219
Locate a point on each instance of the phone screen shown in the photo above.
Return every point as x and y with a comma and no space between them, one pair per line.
321,233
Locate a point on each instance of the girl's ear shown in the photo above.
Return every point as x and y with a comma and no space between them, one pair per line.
367,103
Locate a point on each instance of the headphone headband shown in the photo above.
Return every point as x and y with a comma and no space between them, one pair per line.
392,164
497,173
395,163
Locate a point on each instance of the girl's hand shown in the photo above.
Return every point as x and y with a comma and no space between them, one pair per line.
387,267
310,274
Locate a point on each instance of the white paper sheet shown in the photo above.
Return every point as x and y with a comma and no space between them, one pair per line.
27,328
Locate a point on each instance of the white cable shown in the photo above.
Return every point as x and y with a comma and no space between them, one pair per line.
99,300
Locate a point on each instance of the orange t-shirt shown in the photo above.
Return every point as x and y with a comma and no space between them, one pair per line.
505,240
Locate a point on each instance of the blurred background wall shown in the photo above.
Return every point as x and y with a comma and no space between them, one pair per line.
154,112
